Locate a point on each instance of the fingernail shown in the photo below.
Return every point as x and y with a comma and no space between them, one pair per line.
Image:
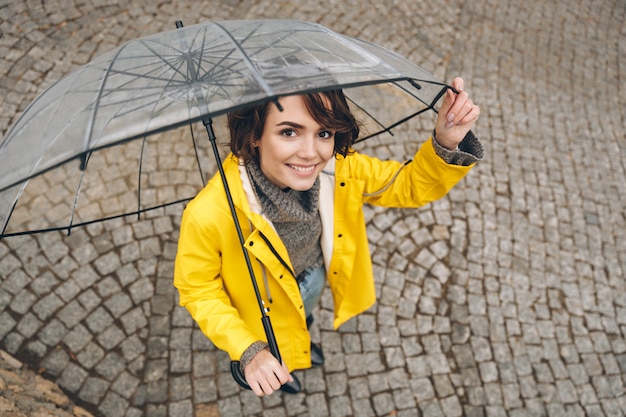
450,125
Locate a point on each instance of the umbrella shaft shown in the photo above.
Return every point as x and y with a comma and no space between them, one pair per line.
267,325
208,124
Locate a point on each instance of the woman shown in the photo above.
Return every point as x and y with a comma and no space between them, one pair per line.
298,189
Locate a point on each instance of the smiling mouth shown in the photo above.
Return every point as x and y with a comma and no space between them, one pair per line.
302,169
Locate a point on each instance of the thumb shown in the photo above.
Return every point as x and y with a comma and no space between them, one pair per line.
288,373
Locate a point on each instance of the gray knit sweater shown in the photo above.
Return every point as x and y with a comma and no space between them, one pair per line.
295,216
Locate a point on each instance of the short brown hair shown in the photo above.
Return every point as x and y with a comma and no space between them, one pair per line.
246,125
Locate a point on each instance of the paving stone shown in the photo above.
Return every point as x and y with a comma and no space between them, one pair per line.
93,390
72,378
205,390
29,325
111,366
90,355
55,362
71,314
113,405
47,306
125,384
23,302
52,333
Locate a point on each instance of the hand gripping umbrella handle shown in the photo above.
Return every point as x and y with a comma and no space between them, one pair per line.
235,366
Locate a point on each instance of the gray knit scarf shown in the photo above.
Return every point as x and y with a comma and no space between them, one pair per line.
295,216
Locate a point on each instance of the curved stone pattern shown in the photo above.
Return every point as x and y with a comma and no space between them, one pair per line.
506,298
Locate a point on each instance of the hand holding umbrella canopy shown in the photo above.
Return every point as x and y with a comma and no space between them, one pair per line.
99,143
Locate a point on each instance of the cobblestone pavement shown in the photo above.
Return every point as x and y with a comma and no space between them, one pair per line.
506,298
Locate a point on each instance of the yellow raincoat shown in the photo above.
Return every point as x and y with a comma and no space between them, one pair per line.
211,274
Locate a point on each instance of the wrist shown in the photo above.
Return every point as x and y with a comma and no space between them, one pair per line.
251,352
443,144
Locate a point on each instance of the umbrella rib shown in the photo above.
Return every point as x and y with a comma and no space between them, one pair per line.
429,106
19,193
195,148
399,122
258,77
385,129
91,121
143,146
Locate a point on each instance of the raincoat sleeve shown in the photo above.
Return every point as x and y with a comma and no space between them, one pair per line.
415,183
200,284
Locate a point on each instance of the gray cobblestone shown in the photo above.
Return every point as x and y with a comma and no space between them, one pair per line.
52,333
29,325
90,355
23,302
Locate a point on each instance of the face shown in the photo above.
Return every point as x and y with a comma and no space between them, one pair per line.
294,148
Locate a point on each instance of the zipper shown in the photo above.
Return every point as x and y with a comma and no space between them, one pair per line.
264,270
276,254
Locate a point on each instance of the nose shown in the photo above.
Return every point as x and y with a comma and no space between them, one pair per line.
308,147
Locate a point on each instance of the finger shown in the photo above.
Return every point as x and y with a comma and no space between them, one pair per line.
270,385
458,83
289,377
471,116
257,389
465,110
283,375
456,111
448,112
448,101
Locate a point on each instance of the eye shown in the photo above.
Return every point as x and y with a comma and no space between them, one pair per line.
288,133
325,134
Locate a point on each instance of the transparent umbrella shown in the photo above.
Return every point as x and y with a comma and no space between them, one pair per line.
89,120
105,141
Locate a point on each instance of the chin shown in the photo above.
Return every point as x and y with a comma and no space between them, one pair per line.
301,185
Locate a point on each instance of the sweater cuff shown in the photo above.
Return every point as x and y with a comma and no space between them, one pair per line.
469,151
250,353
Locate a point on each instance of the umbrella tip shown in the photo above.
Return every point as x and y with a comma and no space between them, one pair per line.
83,161
415,84
278,105
179,24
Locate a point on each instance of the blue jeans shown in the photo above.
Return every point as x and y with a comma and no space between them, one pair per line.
311,288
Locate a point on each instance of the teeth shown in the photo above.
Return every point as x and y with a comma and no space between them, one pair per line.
302,169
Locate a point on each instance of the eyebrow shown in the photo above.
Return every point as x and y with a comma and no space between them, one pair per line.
289,124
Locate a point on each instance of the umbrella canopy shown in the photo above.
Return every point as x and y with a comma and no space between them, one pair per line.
72,158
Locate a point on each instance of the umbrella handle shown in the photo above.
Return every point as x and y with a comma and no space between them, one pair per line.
238,375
